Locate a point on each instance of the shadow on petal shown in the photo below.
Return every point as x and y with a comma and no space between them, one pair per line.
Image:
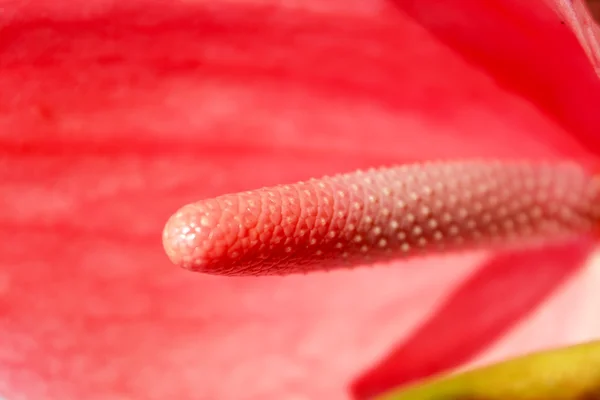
497,297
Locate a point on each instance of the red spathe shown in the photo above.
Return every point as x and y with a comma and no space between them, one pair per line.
112,116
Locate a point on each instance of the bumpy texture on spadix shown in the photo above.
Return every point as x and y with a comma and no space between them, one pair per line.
378,215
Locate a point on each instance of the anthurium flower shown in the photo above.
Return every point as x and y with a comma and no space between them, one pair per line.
113,115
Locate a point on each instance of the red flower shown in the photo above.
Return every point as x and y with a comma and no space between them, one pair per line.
114,114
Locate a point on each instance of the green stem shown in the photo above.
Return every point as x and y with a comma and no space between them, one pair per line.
569,373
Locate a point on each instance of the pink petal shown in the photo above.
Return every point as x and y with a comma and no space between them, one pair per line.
497,298
114,73
112,112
